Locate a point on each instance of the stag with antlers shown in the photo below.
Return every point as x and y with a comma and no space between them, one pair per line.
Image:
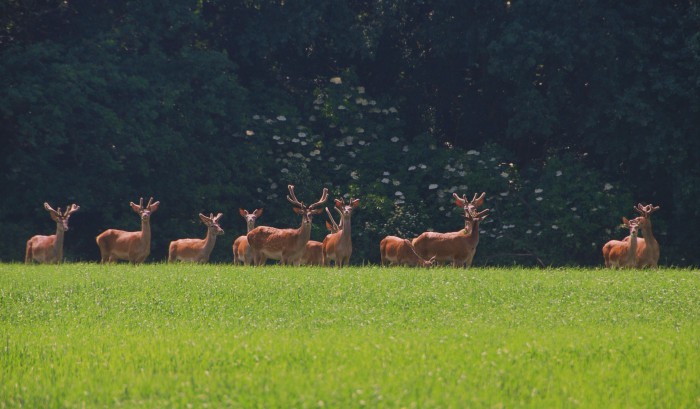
337,247
457,247
286,245
126,245
197,250
241,248
648,251
622,253
49,249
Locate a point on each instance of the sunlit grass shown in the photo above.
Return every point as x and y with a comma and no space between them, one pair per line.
216,336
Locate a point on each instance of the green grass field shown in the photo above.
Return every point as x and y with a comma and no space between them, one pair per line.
156,335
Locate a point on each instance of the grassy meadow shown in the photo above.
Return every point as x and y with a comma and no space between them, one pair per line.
182,335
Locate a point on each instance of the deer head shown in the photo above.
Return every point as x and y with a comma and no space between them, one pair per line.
306,212
144,212
645,211
632,225
61,219
250,218
470,207
345,210
212,223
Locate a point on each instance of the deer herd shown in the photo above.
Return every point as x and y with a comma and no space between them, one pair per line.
293,246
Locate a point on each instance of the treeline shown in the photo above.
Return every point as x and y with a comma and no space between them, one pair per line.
565,113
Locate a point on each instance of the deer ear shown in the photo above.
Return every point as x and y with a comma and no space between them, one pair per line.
136,208
243,212
204,218
298,211
355,203
458,202
154,207
480,200
339,203
328,226
258,212
316,211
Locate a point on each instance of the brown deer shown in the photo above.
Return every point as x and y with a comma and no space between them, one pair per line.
286,245
313,254
622,253
197,250
397,251
241,248
49,249
133,246
648,251
456,247
337,246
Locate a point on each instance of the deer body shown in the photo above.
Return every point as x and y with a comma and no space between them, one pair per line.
49,249
457,247
286,245
648,251
241,247
197,250
127,245
313,254
622,253
395,250
337,246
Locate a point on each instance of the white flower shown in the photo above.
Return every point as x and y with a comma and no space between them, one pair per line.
393,110
362,143
398,193
273,185
504,174
405,149
394,139
281,118
260,190
256,116
538,198
360,90
276,137
295,140
559,173
399,201
432,186
607,187
386,173
422,166
538,190
504,194
385,180
341,107
411,167
395,182
354,175
336,80
359,130
249,133
555,227
302,134
473,152
303,143
573,209
284,170
528,231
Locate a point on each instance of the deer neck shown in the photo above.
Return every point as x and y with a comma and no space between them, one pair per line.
209,241
649,235
146,232
345,232
473,235
58,243
303,234
633,247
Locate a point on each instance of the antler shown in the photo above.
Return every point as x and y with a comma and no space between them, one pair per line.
292,197
50,209
323,199
330,216
647,210
218,216
72,209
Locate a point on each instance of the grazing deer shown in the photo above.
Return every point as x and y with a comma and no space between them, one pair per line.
622,253
648,251
241,248
456,247
133,246
49,249
338,246
286,245
395,250
197,250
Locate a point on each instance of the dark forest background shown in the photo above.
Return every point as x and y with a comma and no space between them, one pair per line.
566,113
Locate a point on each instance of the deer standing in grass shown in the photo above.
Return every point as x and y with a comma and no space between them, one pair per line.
133,246
456,247
49,249
286,245
398,251
313,254
241,248
337,246
648,251
622,253
197,250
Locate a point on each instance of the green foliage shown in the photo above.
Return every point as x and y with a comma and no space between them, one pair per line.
87,335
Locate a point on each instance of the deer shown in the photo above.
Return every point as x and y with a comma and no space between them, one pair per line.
456,247
286,245
395,250
49,249
622,253
648,251
241,248
337,246
133,246
313,254
197,250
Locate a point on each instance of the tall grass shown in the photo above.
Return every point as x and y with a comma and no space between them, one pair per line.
88,335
